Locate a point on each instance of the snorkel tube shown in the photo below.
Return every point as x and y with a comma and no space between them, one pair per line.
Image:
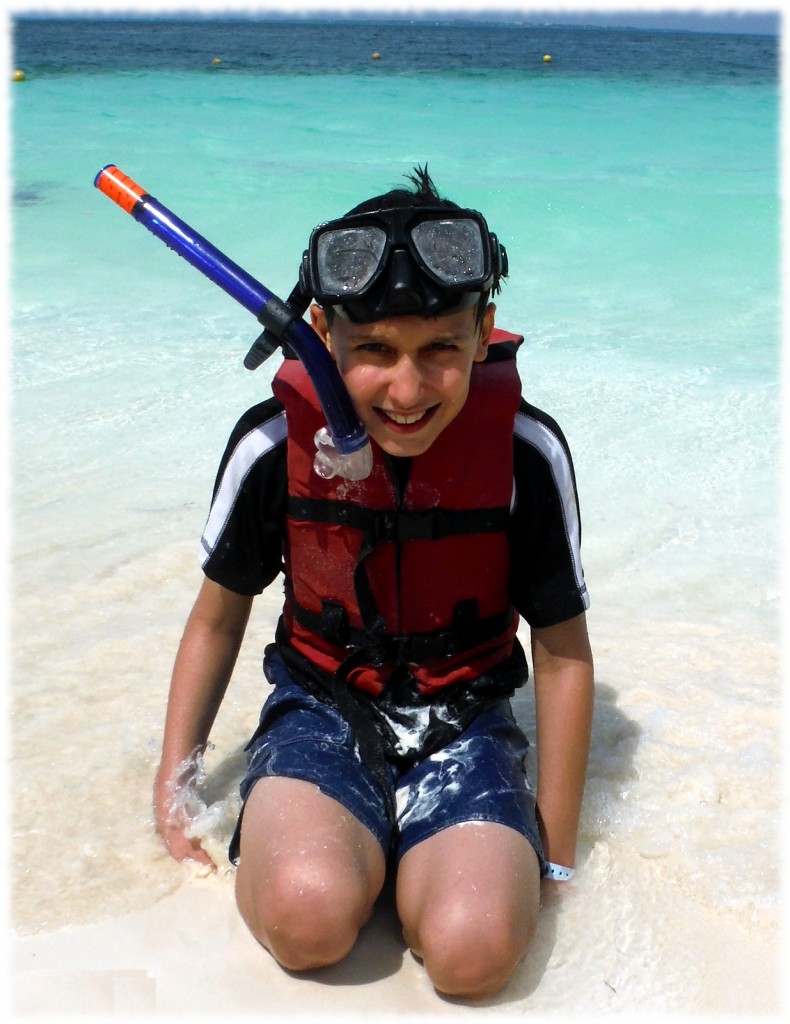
343,448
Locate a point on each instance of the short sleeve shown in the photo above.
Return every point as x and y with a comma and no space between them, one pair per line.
547,579
242,542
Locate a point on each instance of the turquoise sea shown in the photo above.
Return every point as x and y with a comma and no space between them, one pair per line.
634,180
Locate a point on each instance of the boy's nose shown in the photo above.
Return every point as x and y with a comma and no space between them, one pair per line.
406,383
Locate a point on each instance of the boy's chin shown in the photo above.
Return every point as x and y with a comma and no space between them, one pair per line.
402,447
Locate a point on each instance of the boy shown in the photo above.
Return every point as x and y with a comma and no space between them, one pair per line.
388,736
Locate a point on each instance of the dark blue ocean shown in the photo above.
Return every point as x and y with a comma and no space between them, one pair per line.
405,47
634,180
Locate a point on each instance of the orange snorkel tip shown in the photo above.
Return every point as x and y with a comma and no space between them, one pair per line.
119,187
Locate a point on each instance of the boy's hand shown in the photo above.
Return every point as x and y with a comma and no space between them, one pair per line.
179,846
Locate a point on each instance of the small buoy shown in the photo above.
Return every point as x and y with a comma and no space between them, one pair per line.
19,76
377,55
547,58
216,61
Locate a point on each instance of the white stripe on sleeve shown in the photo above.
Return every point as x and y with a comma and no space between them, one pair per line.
542,438
251,447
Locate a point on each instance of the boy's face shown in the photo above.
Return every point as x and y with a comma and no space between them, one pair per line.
408,376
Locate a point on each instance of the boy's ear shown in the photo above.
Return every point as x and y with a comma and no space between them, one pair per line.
486,330
320,325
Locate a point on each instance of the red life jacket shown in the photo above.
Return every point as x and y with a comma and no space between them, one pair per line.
374,579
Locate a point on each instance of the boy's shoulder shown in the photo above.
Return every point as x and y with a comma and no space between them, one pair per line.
528,411
267,418
257,415
537,434
257,439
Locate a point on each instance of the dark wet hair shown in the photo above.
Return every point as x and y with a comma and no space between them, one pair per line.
422,193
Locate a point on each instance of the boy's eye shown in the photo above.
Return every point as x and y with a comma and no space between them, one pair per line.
375,347
381,348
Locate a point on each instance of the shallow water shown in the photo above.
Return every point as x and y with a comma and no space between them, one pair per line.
640,210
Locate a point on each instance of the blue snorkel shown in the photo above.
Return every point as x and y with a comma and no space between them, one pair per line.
343,449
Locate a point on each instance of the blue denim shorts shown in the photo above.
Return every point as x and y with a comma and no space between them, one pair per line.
480,776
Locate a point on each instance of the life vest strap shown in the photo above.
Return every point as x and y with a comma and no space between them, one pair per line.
381,527
468,630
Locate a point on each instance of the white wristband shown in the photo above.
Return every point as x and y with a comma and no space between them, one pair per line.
558,873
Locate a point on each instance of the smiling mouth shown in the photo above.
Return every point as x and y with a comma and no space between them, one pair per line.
406,421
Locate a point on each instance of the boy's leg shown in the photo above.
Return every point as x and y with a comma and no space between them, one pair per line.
468,898
309,873
468,885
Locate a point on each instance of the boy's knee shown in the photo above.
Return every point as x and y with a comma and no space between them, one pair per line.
304,916
472,958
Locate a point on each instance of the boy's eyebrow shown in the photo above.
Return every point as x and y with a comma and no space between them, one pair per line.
446,336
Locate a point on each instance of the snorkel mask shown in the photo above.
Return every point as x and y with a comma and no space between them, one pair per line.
424,260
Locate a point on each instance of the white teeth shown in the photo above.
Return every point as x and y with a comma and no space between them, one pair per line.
405,420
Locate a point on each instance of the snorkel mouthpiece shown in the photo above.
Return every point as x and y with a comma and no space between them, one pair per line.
345,449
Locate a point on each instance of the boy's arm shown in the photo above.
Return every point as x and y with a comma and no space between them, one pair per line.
203,666
563,668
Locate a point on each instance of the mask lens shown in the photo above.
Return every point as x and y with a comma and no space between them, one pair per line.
452,250
348,258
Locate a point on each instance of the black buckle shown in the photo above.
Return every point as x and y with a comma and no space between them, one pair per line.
389,527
